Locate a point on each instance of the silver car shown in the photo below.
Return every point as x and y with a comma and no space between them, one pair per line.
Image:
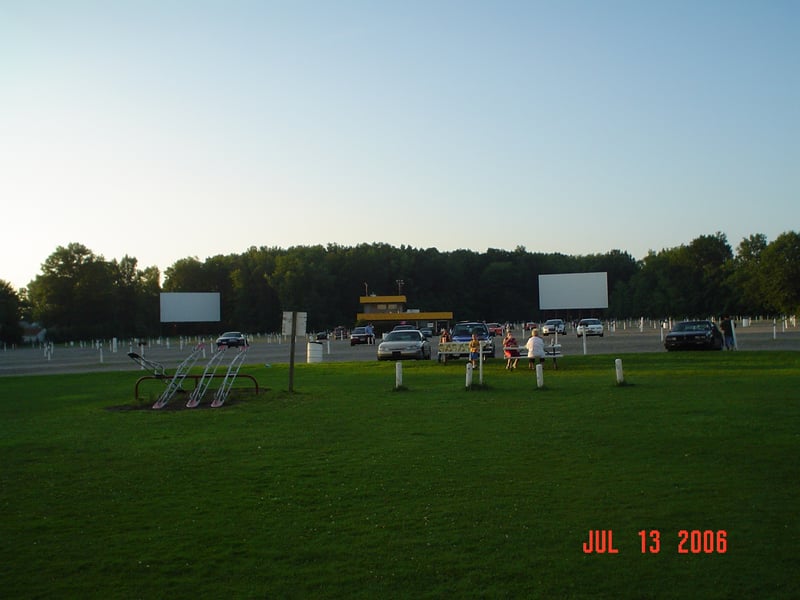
404,344
553,326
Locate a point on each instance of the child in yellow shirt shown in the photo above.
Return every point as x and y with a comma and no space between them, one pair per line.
474,350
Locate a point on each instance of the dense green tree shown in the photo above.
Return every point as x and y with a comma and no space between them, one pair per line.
620,266
653,293
150,305
463,281
780,262
79,293
187,275
10,314
256,304
500,291
711,257
687,281
746,278
302,283
73,297
136,299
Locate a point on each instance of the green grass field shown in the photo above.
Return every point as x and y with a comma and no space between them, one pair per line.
350,489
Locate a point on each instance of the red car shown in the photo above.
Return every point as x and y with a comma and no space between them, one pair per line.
495,328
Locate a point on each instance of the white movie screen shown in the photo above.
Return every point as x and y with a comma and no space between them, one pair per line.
189,307
573,290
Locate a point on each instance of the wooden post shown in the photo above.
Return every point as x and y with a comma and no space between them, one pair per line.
291,352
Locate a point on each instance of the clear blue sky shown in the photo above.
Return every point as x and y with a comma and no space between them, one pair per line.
165,129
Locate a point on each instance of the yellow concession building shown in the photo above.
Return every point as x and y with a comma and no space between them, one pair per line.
390,310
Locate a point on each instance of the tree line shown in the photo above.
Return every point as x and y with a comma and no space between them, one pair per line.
81,295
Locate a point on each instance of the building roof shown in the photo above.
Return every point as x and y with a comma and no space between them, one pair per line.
382,299
406,316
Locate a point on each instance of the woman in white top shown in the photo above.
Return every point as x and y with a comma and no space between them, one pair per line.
535,346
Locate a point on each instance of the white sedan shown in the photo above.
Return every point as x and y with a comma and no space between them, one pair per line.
404,344
589,327
553,326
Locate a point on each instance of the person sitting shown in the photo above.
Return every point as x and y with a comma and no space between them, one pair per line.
510,351
535,346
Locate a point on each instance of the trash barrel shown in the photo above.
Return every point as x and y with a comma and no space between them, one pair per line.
314,352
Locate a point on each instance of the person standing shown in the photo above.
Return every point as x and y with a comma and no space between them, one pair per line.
474,350
726,325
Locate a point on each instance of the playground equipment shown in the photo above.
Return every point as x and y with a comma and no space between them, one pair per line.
177,380
201,382
233,370
205,380
157,368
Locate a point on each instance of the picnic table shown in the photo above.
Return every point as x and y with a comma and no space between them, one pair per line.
550,351
458,349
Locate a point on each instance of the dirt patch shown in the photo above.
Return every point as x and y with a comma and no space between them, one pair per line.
178,403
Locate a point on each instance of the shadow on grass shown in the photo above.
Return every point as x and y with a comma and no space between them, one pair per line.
178,403
477,387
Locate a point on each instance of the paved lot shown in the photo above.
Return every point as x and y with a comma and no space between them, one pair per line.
74,359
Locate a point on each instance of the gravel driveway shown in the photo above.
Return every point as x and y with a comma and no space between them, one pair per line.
268,350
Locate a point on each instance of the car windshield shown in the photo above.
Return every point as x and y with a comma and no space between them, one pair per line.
591,322
468,329
402,336
692,326
358,330
553,322
231,334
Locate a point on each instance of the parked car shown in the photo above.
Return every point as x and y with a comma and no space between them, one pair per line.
531,325
427,331
694,335
231,338
404,327
360,335
462,332
495,328
589,327
554,326
404,343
